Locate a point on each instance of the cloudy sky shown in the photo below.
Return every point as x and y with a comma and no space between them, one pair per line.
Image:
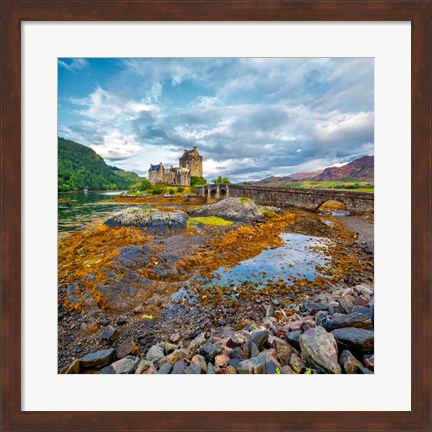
249,117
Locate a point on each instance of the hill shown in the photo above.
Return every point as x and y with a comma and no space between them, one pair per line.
80,167
360,169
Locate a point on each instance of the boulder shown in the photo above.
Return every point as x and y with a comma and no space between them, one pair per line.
354,319
235,209
126,365
97,359
349,363
355,339
150,219
319,350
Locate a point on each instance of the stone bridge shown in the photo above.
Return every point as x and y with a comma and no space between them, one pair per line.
308,199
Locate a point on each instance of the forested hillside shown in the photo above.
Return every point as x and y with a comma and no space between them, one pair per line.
80,167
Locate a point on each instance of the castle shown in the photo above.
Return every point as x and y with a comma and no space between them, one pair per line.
190,165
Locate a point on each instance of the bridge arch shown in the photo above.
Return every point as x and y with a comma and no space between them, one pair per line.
328,206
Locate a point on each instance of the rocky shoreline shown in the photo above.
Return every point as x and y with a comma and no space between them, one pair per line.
133,296
329,333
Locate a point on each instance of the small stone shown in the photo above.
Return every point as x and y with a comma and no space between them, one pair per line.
319,350
175,337
154,353
210,369
107,370
346,303
275,302
97,359
296,363
236,353
121,321
210,351
362,300
349,363
109,333
369,362
229,370
355,339
127,347
234,362
364,371
354,319
169,347
235,341
199,361
178,354
259,338
73,368
283,351
165,369
221,360
294,338
271,368
286,370
253,349
193,370
179,367
198,341
104,321
143,365
252,366
126,365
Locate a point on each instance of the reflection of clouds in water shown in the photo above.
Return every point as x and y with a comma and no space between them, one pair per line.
298,255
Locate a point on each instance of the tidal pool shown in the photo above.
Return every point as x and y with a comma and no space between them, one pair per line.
301,256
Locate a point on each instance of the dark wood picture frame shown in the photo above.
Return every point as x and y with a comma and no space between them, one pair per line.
14,12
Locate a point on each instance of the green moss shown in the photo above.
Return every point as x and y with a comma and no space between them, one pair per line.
208,220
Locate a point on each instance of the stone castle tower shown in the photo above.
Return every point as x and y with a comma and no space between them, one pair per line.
190,164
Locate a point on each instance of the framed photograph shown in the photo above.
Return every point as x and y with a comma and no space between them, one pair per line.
198,196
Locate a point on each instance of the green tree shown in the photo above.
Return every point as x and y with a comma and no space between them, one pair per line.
221,180
197,181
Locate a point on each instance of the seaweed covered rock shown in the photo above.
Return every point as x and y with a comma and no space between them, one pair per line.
235,209
151,219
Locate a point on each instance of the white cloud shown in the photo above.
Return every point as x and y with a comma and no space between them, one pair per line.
117,146
74,65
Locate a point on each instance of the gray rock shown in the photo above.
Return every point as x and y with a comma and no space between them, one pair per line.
252,366
144,366
294,338
355,339
234,362
151,219
126,365
235,209
363,370
210,351
354,319
253,349
259,338
107,370
154,353
193,370
165,369
236,353
319,350
210,369
179,367
349,363
199,360
97,359
283,351
272,367
346,303
109,333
